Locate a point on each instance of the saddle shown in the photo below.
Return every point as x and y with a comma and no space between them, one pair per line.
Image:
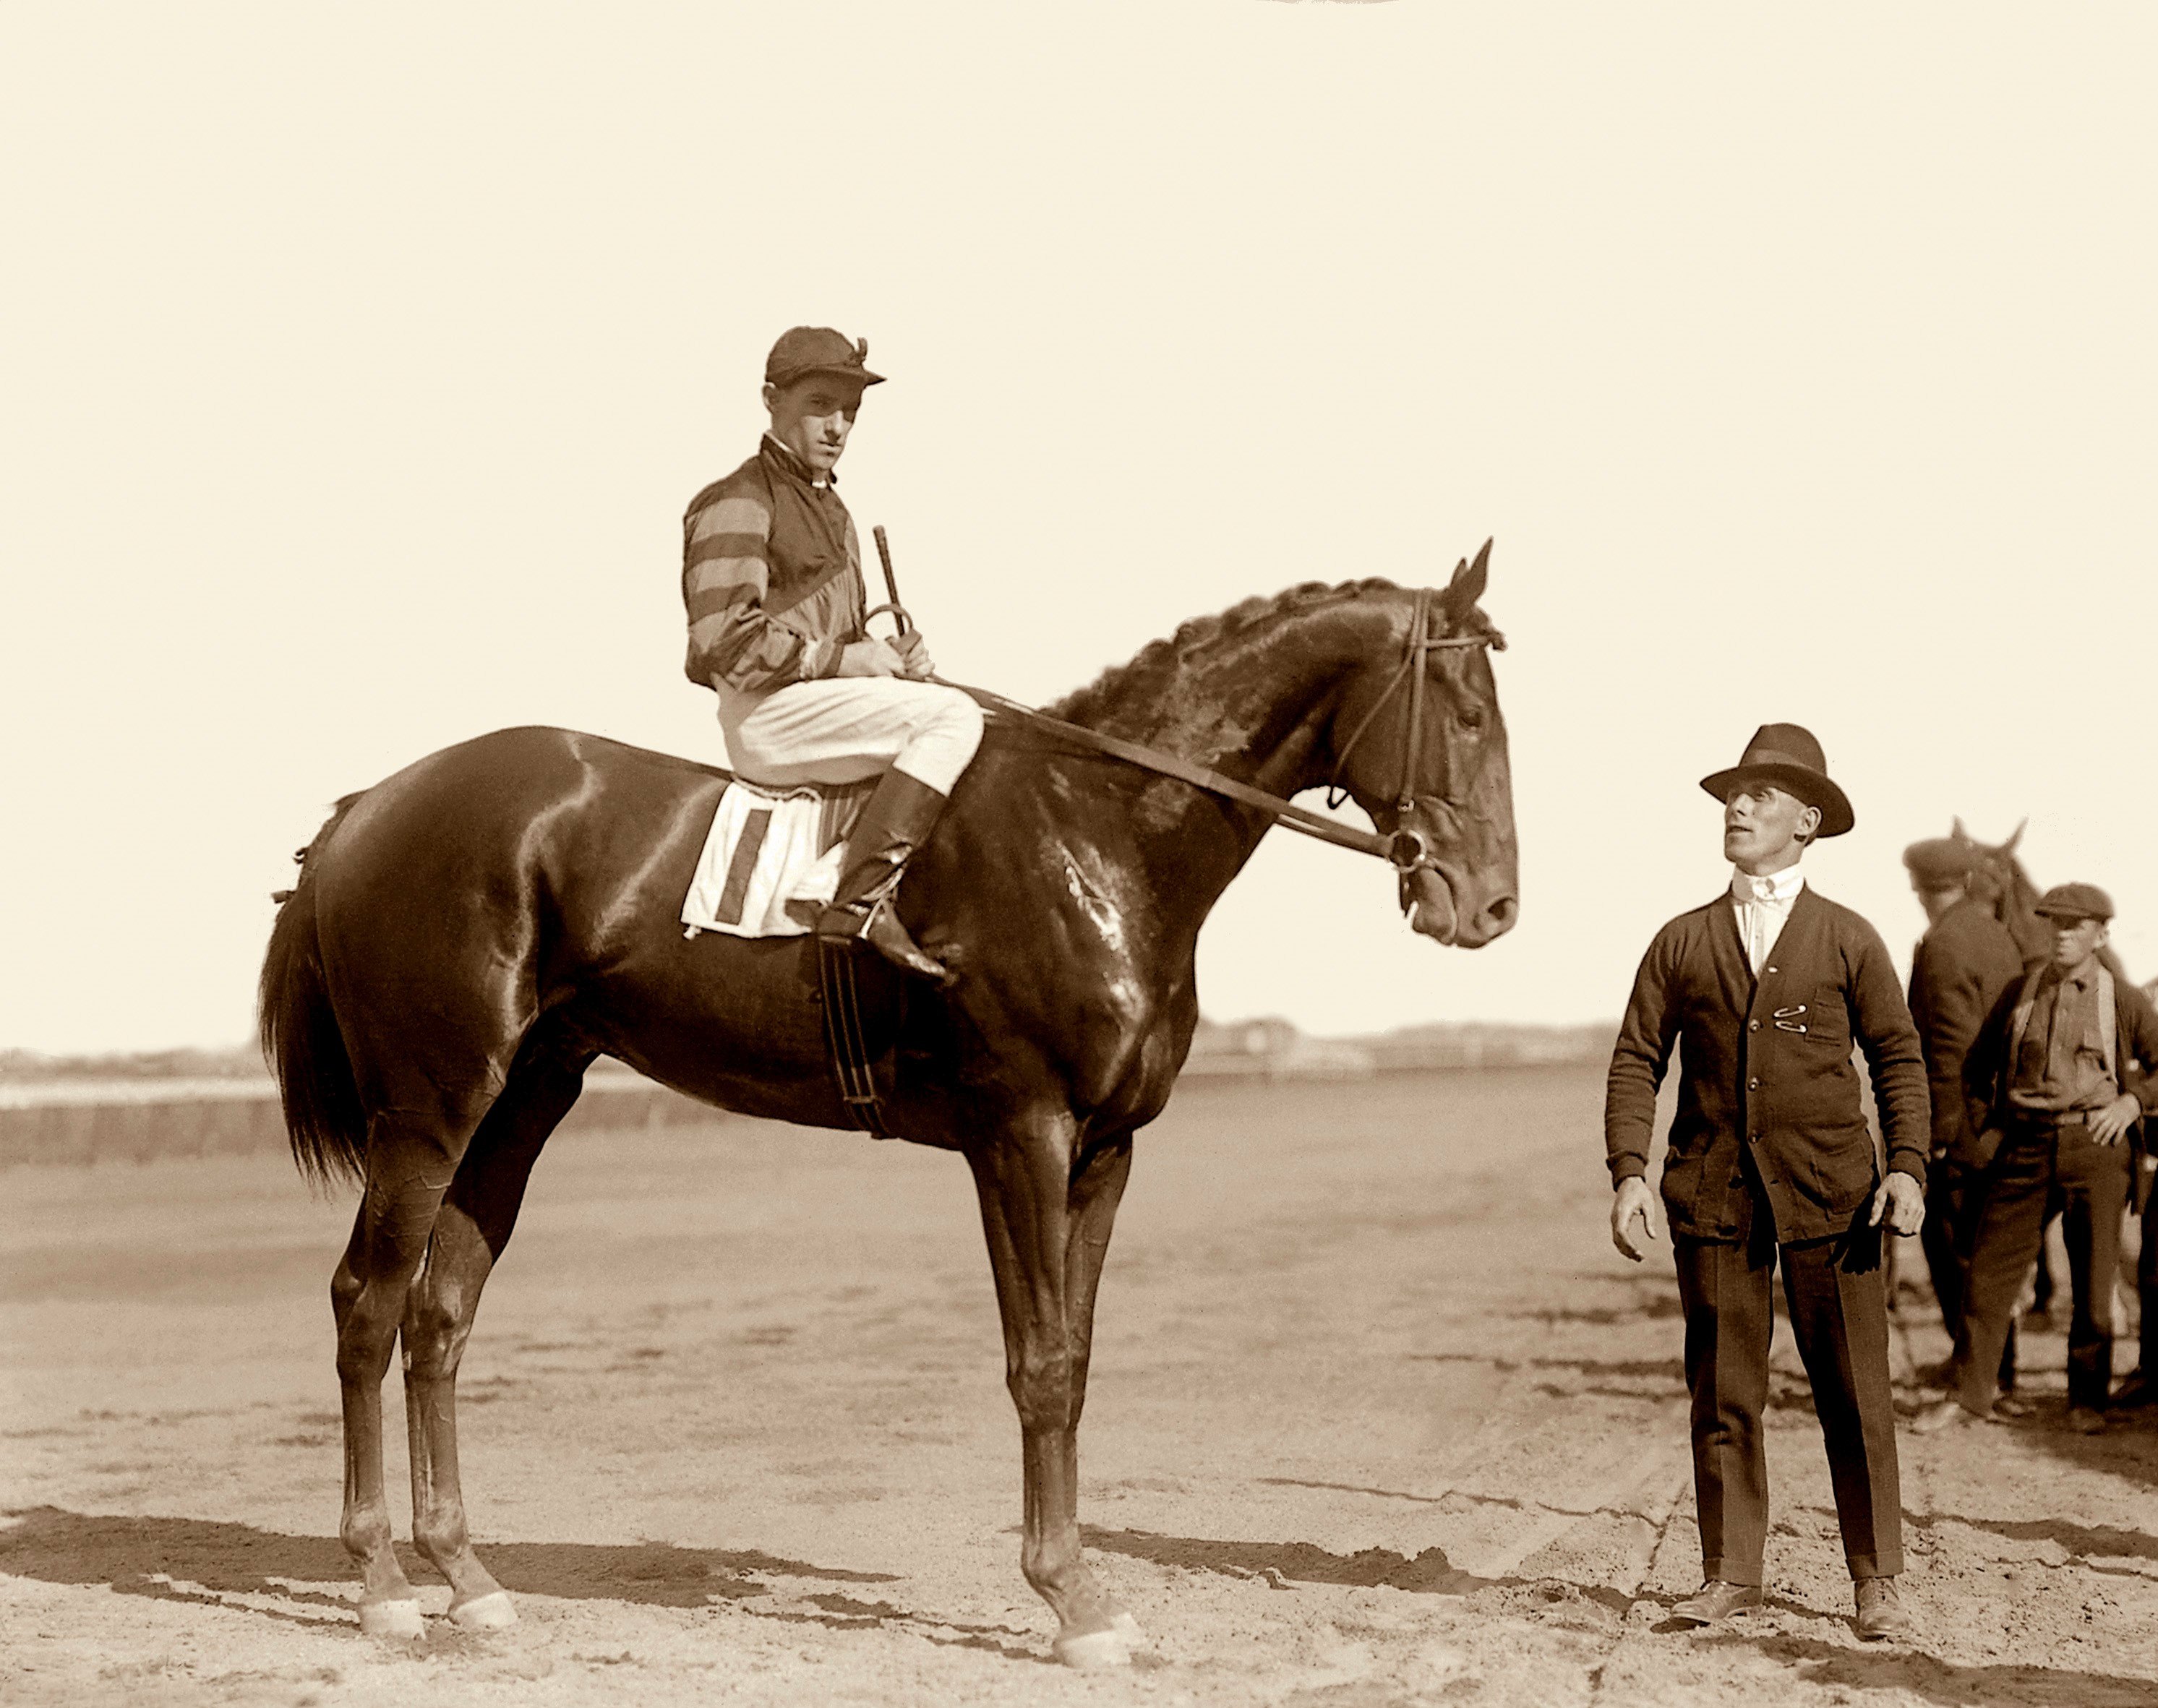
772,858
770,864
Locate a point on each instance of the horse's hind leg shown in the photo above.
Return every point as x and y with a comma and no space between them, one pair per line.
409,1169
470,1232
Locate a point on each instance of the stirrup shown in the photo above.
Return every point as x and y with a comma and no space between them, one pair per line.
879,926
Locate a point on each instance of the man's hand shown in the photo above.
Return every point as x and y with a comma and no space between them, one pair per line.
869,657
2114,1120
1902,1201
914,657
1632,1200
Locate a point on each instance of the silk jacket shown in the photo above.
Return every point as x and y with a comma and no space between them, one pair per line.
1768,1108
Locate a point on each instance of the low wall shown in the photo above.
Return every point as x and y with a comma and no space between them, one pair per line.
85,1129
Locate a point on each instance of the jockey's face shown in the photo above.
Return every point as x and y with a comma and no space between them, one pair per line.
812,416
1765,828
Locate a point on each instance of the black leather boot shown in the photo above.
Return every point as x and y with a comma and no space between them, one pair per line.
897,820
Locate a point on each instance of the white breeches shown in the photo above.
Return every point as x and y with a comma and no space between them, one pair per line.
845,729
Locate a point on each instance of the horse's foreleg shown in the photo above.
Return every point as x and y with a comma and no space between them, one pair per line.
366,1297
473,1227
1048,1227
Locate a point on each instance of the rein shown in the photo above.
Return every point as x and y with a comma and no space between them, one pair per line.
1404,849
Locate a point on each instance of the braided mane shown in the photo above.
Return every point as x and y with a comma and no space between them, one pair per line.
1149,675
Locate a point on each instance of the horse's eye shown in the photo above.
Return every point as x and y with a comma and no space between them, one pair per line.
1472,717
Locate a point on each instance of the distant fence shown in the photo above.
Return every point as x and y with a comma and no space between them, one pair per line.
87,1129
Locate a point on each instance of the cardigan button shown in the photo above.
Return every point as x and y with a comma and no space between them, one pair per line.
1752,1025
1754,1085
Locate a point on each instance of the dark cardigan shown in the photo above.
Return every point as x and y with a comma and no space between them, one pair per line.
1768,1100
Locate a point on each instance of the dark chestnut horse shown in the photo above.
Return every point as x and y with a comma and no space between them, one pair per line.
468,935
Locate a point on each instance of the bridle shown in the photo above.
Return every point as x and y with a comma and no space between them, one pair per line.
1404,851
1414,667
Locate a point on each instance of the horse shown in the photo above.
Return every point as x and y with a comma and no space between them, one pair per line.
1998,882
468,936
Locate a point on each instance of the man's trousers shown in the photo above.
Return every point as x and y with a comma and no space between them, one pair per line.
2146,1286
1954,1194
2038,1160
847,729
1839,1318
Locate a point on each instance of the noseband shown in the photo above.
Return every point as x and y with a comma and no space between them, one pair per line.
1421,644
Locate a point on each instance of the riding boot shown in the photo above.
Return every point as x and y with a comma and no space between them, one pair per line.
895,822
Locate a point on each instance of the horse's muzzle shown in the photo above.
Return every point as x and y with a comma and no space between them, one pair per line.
1448,907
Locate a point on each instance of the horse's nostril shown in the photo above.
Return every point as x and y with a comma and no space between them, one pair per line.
1501,912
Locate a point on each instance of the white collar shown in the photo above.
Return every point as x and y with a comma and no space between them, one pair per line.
1779,889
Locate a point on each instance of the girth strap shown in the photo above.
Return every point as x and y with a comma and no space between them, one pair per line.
845,1041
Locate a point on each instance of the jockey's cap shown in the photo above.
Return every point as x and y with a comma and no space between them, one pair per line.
804,350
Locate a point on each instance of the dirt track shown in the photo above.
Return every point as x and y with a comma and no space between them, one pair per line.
1376,1416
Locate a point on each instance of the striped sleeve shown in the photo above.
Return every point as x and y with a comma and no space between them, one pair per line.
725,573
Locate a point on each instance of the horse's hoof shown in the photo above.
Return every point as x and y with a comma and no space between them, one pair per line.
1095,1650
1126,1627
399,1621
491,1612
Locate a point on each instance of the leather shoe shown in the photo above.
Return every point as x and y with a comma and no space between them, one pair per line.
1880,1610
2138,1390
2084,1420
1942,1414
1716,1600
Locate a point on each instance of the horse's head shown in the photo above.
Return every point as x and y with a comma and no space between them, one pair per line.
1419,743
1998,882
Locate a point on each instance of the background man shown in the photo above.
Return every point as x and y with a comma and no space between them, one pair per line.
2141,1387
1770,1161
2052,1065
772,573
1959,970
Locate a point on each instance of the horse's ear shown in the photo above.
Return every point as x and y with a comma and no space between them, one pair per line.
2014,837
1466,586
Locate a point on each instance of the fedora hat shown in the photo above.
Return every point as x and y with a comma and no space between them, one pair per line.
1788,755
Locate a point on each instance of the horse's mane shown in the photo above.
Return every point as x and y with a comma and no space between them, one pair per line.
1150,673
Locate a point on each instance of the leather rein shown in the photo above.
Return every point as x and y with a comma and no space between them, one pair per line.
1404,851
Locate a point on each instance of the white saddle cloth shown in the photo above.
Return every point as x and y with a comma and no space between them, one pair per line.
771,860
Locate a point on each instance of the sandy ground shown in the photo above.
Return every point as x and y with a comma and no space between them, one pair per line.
1377,1417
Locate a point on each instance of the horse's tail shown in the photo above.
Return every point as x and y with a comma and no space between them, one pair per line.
301,1042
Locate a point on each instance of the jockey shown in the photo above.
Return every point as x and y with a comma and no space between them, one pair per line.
772,573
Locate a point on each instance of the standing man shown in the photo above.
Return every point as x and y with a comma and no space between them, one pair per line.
771,575
1770,1164
1959,970
2052,1068
2140,1389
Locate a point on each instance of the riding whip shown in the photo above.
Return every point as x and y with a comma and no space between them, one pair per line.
890,583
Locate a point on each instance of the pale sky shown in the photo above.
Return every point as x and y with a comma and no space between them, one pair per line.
358,364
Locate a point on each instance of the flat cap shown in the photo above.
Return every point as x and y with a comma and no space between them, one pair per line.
2074,901
804,350
1939,861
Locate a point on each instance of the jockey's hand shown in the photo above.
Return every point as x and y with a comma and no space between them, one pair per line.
1902,1202
869,657
2114,1120
1632,1200
914,656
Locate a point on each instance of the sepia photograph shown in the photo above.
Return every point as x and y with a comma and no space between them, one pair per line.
1290,853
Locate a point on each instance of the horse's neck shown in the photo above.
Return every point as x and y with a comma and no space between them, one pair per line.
1252,704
